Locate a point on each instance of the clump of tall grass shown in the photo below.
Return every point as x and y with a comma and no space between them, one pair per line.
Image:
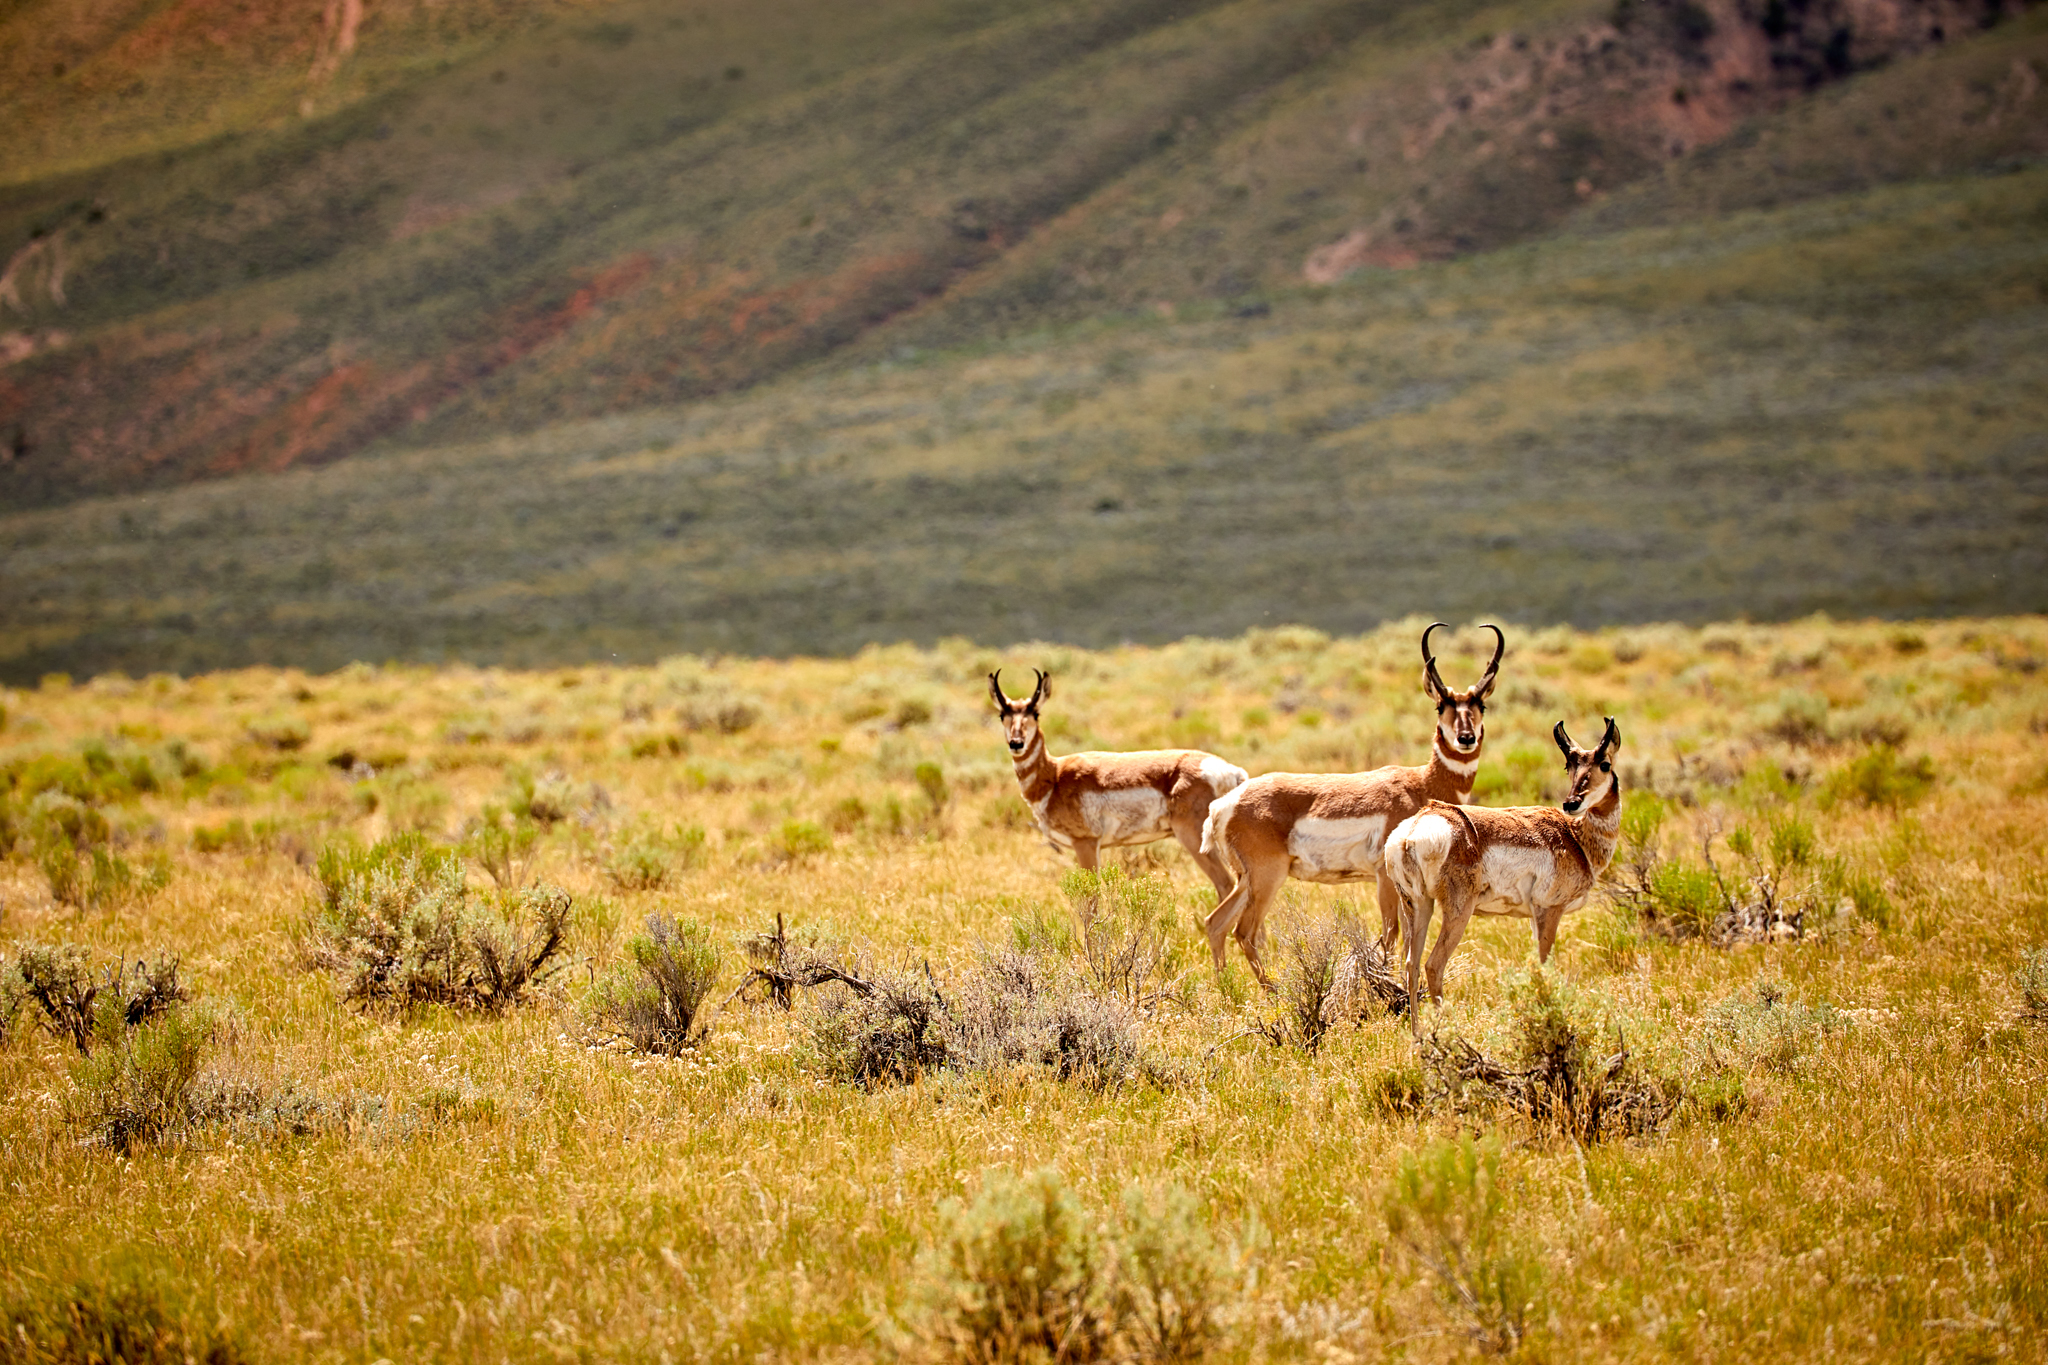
1026,1274
99,1323
1880,777
1445,1208
654,1003
502,843
402,930
1779,878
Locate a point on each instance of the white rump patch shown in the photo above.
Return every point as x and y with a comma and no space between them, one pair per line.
1133,815
1221,776
1424,840
1220,811
1337,850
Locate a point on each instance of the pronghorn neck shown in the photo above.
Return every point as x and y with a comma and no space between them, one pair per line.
1035,770
1449,774
1599,828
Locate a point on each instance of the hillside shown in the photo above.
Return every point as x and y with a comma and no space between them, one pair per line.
1836,406
483,218
1813,1139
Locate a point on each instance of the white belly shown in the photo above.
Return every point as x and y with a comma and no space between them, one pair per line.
1337,850
1135,815
1512,879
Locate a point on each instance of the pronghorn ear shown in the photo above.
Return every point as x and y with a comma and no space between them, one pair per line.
1609,742
995,691
1040,694
1564,742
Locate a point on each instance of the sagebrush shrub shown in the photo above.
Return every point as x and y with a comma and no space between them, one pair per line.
138,1087
1023,1275
88,1006
502,843
410,933
1880,778
1131,945
649,855
1174,1276
2032,979
1765,1028
1445,1208
654,1004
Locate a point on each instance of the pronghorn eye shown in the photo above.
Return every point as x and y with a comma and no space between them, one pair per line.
1606,768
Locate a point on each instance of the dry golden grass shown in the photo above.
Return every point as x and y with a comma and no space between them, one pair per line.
498,1188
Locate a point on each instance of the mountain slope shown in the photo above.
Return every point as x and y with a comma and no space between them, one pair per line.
608,210
1837,406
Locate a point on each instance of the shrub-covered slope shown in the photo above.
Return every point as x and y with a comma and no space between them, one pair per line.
520,214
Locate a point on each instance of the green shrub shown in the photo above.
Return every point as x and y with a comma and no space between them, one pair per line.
283,731
800,839
502,843
654,1004
1131,945
1880,778
1444,1207
86,1006
138,1088
1688,897
409,933
1173,1278
931,780
1022,1276
345,860
2032,979
99,1324
648,856
1763,1028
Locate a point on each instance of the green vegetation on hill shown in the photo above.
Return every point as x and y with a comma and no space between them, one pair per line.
523,214
1838,407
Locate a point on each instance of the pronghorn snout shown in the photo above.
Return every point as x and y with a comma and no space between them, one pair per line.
1016,746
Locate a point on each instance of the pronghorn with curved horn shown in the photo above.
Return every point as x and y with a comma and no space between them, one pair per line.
1539,862
1091,801
1330,827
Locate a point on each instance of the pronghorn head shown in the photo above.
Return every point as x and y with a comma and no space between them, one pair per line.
1460,716
1019,718
1591,770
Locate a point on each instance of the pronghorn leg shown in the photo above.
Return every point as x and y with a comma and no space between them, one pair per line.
1265,879
1390,912
1546,925
1085,853
1456,917
1188,833
1415,914
1220,921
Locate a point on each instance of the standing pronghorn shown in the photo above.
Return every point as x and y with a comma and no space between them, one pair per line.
1092,801
1329,827
1535,861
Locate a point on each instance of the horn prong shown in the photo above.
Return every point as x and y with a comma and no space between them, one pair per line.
1434,679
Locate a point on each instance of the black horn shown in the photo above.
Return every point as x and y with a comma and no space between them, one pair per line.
1500,647
995,690
1609,741
1041,692
1564,742
1436,680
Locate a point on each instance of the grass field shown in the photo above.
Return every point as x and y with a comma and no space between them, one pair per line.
1844,1164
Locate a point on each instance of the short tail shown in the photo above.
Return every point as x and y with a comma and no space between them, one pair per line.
1216,828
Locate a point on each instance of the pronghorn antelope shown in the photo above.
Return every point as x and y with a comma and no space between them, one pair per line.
1092,801
1329,827
1535,861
